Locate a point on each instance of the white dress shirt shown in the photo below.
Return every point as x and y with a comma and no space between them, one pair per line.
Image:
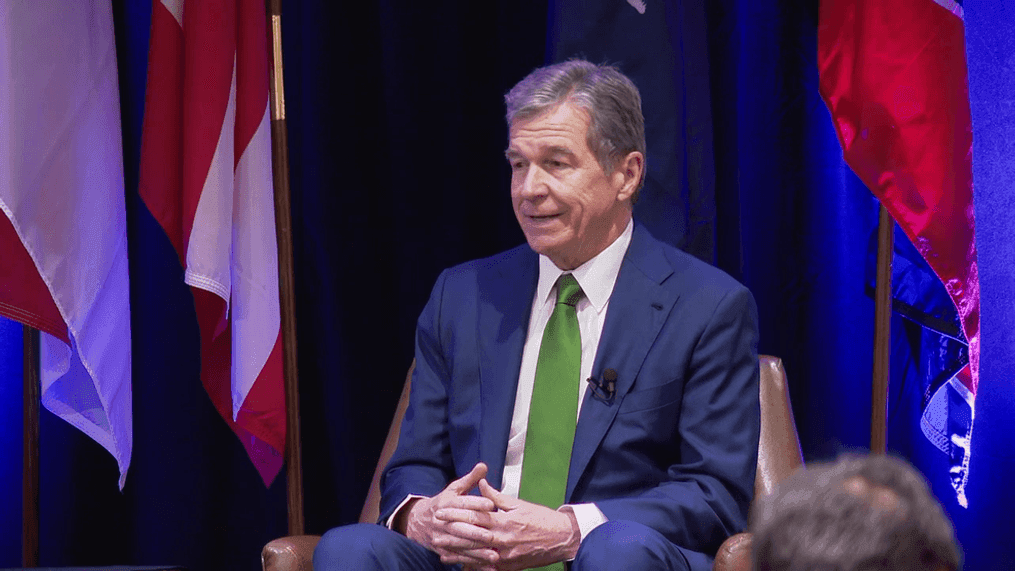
596,278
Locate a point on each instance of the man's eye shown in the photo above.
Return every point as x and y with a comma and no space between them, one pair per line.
555,164
517,165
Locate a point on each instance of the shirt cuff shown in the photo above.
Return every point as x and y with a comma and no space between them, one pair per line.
391,519
588,516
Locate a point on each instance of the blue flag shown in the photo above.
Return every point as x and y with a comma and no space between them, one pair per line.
662,47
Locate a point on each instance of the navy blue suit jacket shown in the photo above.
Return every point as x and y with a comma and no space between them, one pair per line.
676,449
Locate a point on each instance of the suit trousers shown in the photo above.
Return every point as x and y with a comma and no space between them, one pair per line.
615,545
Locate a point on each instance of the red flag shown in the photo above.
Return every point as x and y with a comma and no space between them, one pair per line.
206,177
894,77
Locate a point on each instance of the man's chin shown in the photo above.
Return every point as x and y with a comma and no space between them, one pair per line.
553,250
544,245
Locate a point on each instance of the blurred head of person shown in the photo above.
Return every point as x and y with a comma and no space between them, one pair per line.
860,513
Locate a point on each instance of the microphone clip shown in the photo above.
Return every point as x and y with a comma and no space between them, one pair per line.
605,389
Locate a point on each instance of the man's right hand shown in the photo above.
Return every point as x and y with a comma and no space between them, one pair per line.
455,541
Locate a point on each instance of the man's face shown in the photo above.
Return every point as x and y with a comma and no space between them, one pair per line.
567,206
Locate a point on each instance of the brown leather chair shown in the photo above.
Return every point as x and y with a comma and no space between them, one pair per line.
778,456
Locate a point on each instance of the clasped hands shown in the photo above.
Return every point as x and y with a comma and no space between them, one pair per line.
492,531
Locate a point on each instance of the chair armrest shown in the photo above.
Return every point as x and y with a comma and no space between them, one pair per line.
734,554
293,553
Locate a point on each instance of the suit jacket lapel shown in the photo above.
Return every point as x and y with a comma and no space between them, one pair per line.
638,308
504,311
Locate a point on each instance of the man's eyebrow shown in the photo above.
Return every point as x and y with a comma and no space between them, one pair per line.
558,150
553,150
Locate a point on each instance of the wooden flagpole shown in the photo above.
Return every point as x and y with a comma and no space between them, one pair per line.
882,333
30,452
283,230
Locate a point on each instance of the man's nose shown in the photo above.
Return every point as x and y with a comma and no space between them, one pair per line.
534,184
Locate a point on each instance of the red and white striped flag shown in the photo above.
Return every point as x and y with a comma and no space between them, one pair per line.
63,239
894,77
206,177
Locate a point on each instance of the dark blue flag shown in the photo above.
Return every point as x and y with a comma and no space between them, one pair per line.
662,47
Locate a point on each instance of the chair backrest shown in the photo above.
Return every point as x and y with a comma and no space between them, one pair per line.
779,448
372,506
778,451
778,456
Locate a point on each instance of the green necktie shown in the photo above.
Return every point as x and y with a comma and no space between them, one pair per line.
553,412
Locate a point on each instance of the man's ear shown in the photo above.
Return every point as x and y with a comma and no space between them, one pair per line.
628,174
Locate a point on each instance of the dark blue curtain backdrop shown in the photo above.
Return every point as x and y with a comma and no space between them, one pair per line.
10,438
396,137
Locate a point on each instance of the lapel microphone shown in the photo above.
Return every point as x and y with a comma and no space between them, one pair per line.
604,390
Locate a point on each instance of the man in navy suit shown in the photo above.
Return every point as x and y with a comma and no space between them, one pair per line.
662,463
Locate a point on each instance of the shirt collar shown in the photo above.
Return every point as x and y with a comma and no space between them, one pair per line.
596,276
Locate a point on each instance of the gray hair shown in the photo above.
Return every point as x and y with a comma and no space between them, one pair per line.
857,514
616,127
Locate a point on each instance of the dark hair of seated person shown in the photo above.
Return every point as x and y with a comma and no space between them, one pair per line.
860,513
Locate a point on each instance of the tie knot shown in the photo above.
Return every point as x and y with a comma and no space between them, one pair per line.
568,290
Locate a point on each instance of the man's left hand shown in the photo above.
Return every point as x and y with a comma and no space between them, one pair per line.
525,534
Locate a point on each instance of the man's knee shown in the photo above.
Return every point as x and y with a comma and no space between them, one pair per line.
619,544
350,547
